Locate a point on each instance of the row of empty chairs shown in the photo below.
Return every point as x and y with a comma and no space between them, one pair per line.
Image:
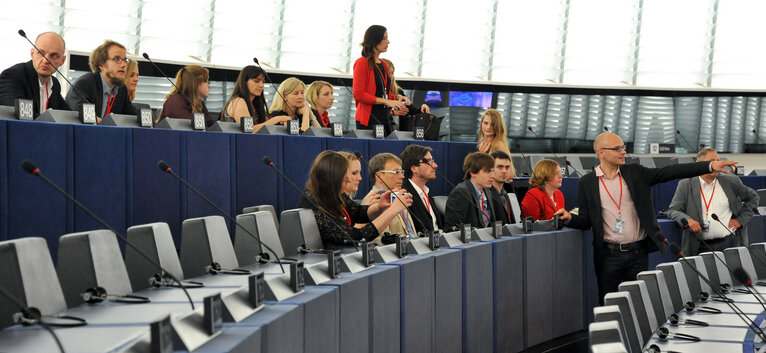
672,292
94,259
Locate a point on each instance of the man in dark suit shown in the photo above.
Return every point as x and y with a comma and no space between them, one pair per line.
471,200
616,202
34,79
104,86
417,173
503,174
697,199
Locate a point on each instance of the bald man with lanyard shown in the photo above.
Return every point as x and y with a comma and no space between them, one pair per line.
616,202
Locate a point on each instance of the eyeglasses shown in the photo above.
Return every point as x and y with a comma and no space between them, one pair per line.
616,149
400,171
427,160
120,60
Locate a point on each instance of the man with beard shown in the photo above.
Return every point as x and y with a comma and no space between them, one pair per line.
419,168
104,86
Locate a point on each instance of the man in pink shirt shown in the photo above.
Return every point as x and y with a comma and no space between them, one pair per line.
616,202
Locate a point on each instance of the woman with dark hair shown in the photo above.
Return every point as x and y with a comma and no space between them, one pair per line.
192,82
247,100
373,89
332,176
544,199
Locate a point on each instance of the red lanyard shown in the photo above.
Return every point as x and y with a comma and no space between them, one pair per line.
348,218
47,97
425,198
619,205
508,203
109,103
708,202
483,145
383,78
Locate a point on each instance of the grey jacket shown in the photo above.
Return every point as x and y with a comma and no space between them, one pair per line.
687,204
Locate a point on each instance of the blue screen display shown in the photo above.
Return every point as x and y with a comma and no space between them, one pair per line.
470,99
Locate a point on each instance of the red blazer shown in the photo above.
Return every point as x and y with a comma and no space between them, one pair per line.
537,205
364,89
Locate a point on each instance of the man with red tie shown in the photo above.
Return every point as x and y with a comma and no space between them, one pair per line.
419,168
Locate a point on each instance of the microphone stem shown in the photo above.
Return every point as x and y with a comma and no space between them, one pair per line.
223,213
15,302
122,237
276,89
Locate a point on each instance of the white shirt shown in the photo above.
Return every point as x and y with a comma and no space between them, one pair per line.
718,205
45,94
424,198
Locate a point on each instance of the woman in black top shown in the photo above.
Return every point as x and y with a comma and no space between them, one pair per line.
331,175
247,100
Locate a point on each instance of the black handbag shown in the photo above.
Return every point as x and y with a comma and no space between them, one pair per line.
431,125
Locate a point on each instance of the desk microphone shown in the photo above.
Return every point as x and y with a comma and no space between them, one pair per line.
683,138
675,249
31,168
276,89
715,217
361,158
575,169
757,137
307,195
524,158
166,168
79,93
685,223
550,150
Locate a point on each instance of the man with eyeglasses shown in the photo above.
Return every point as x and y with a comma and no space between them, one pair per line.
420,168
386,170
616,202
471,201
104,86
34,79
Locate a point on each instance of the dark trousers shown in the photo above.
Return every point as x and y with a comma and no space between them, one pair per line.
729,241
619,267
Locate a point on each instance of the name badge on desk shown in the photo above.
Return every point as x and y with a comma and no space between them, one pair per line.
337,129
24,109
246,123
213,316
257,291
161,339
420,133
145,118
293,127
380,131
88,113
198,121
296,276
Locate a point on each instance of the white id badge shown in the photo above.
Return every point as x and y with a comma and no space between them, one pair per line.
705,225
619,226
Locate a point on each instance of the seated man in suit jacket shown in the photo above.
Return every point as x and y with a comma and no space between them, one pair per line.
697,199
34,79
504,173
419,168
616,202
104,86
471,201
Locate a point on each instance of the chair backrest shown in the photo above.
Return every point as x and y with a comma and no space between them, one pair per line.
610,313
205,240
647,322
758,252
27,273
676,282
269,208
155,241
762,195
515,206
604,332
440,204
299,226
658,293
739,257
695,283
91,259
716,270
632,333
266,231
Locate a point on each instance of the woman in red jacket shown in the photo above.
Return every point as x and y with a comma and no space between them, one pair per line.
373,90
544,197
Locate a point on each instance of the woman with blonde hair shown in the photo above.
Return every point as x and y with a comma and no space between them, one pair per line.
294,104
186,97
131,79
319,95
544,199
492,136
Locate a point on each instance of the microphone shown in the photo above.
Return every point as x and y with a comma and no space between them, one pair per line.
146,56
573,167
758,138
276,89
32,313
741,275
683,138
685,223
675,249
606,129
79,93
566,167
360,157
31,168
342,83
166,168
755,210
524,158
423,160
307,195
